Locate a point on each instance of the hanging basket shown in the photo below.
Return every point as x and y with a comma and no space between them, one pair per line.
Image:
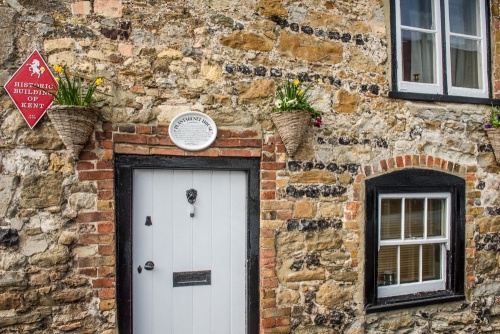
292,126
74,124
494,137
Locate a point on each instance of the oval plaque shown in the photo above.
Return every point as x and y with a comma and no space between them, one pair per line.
192,131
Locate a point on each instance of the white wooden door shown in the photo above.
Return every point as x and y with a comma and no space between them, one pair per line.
213,240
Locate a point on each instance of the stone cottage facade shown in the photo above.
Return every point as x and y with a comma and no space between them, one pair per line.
63,263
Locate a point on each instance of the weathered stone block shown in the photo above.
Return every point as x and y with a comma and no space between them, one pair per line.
8,17
7,187
309,48
333,295
81,8
305,209
314,176
108,8
52,257
270,8
259,91
346,102
41,191
247,41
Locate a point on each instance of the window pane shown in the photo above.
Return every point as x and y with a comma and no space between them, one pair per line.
436,217
418,56
387,265
414,218
390,221
417,13
409,262
431,262
464,17
465,63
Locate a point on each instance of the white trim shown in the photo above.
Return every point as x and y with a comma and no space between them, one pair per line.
413,87
483,50
444,241
438,28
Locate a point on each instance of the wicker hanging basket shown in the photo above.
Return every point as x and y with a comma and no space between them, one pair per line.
494,137
291,125
74,124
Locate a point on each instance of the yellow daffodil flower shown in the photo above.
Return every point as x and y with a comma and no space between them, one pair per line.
58,69
98,81
301,92
320,81
296,82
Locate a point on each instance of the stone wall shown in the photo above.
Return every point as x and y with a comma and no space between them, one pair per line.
226,58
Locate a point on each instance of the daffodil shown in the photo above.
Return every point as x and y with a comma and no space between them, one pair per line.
301,92
296,82
58,69
98,81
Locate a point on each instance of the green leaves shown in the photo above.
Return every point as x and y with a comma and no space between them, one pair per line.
291,96
72,91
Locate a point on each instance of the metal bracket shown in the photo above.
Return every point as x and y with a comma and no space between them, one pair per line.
148,221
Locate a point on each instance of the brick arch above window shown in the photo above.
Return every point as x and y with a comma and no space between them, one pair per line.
423,182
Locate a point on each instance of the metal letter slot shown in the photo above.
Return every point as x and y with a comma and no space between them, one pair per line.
191,278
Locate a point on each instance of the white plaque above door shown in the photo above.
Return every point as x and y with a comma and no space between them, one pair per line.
192,131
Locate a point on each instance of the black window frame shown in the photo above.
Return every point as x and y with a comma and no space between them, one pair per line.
445,97
410,181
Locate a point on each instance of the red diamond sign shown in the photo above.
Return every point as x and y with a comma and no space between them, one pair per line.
31,101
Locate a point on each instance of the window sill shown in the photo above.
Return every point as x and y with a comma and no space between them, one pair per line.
443,98
414,300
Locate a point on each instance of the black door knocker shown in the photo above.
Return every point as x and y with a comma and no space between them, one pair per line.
191,197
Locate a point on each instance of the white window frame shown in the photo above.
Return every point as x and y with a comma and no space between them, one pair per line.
438,28
398,289
460,91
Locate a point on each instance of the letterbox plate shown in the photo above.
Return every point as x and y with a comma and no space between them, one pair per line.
191,278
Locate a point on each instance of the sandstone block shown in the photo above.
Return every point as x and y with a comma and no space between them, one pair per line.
309,48
247,41
314,176
65,58
304,209
329,209
108,8
9,301
288,297
260,89
58,44
26,318
290,242
81,8
171,54
71,295
328,239
7,187
333,295
33,244
126,50
41,191
270,8
346,102
306,275
52,257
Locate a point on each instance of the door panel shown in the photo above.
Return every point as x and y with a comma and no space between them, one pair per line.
214,239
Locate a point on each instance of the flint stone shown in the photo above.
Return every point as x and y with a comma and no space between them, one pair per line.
41,191
9,237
